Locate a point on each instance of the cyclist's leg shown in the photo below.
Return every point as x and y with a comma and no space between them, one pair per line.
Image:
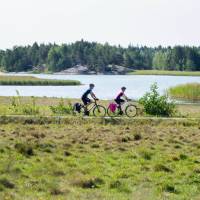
120,106
86,102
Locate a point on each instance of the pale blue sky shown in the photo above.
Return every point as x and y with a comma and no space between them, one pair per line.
139,22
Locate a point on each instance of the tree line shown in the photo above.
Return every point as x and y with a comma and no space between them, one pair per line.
97,57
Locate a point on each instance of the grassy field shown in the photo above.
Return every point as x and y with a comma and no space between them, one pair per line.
163,72
190,91
47,157
100,159
29,80
44,103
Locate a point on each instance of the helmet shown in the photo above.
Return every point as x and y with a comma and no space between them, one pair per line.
123,88
92,85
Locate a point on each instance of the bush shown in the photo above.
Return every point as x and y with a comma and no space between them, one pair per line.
61,108
155,104
18,107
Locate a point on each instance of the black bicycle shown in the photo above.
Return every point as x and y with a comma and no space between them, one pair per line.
128,109
96,109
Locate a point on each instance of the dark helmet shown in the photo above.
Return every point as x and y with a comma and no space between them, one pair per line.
91,85
123,88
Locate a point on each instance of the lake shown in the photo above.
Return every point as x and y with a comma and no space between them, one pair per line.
107,86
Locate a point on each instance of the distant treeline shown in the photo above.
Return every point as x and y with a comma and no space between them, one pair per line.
54,58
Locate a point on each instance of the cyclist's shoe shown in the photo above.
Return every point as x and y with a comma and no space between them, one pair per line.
86,113
121,112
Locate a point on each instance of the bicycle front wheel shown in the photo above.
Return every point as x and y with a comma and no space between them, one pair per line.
99,111
131,111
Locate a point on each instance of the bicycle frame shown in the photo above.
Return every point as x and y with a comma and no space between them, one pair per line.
93,106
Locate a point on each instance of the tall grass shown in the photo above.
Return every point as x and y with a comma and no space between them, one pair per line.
190,91
17,107
29,80
164,73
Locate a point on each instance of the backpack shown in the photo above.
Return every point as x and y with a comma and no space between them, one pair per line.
113,107
77,107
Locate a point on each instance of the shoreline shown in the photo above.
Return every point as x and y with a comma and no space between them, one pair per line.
134,72
9,80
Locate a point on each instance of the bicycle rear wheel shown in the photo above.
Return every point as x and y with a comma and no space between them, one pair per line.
131,111
112,113
99,111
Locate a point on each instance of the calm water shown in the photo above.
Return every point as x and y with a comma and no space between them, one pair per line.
107,86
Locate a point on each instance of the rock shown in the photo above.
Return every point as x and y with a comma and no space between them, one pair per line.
79,69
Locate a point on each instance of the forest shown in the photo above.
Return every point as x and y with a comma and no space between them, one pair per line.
97,57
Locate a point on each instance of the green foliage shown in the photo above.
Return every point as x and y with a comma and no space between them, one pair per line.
98,57
165,73
18,107
53,161
61,108
155,104
189,91
30,80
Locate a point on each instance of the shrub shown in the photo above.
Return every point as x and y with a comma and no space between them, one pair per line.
18,107
155,104
61,108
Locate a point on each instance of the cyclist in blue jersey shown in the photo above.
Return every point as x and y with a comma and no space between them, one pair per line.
86,100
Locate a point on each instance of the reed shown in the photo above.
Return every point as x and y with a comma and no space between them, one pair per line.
31,81
190,91
164,73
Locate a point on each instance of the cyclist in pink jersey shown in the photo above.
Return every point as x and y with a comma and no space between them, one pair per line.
120,98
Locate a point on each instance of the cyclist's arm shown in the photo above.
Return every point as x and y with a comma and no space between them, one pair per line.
125,97
93,95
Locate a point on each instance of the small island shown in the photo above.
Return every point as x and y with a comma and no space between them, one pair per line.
34,81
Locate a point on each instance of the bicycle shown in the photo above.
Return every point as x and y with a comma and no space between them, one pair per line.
96,109
128,109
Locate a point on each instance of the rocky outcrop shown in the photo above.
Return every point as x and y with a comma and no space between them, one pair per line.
79,69
116,69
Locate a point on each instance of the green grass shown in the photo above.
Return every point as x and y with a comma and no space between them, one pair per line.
29,80
44,103
163,72
190,91
94,159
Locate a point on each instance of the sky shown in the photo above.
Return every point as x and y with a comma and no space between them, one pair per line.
124,22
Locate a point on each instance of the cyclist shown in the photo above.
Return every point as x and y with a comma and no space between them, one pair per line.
120,99
87,101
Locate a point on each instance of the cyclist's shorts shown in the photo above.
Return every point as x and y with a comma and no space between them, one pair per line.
119,101
86,101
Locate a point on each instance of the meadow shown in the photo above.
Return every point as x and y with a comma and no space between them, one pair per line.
47,156
165,73
100,159
30,80
190,91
